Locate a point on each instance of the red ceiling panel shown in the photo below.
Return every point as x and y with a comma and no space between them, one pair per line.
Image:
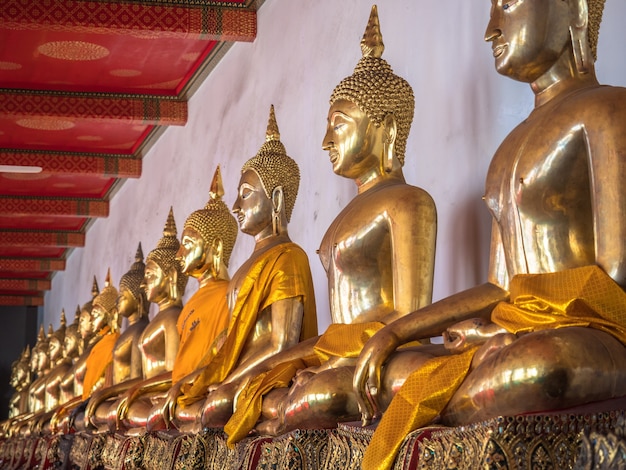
84,87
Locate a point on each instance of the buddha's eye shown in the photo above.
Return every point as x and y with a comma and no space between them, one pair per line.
507,5
338,127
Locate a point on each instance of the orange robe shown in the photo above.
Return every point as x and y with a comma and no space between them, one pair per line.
280,273
100,357
201,321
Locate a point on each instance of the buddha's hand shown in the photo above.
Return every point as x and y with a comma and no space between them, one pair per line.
171,402
94,402
123,406
367,374
57,416
468,333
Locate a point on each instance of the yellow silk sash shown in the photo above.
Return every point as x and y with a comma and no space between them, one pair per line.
281,273
100,357
584,296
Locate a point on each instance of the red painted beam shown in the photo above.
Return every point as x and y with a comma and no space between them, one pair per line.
75,163
42,206
18,300
99,107
26,239
223,21
31,264
25,284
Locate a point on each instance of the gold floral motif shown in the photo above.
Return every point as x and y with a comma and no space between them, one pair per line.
10,65
45,124
73,50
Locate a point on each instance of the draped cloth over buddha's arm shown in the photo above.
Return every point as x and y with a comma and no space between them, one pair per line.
280,273
200,323
100,357
584,297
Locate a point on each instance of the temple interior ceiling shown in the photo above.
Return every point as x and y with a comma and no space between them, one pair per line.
86,88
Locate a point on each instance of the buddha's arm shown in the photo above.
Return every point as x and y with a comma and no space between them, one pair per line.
413,236
100,396
286,319
159,383
62,411
426,322
606,143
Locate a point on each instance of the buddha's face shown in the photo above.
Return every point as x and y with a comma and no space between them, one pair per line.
352,140
155,282
192,252
126,303
54,349
84,324
34,359
99,317
43,360
70,344
253,208
528,36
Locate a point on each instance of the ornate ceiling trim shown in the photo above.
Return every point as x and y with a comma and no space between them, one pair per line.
21,300
131,109
106,165
19,238
24,284
223,21
31,264
46,206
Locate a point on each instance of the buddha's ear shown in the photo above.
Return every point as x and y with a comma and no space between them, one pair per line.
278,211
390,132
278,199
217,250
579,24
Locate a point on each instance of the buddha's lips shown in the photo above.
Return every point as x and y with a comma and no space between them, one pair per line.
498,50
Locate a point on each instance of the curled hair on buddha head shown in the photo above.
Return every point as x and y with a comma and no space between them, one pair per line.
375,89
215,219
87,306
274,167
72,328
132,279
164,255
107,298
59,334
595,10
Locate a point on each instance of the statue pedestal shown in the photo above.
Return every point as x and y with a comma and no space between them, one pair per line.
594,440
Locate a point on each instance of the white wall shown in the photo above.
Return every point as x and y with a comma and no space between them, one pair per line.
303,49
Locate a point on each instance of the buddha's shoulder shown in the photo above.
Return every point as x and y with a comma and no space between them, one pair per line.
402,196
603,99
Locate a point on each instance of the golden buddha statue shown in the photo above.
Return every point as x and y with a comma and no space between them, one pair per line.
270,297
104,325
546,332
59,363
164,283
207,242
378,253
41,357
20,381
72,350
64,350
72,383
132,304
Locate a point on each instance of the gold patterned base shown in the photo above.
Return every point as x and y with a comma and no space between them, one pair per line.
547,441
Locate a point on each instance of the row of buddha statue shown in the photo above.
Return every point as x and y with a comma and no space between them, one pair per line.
545,332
